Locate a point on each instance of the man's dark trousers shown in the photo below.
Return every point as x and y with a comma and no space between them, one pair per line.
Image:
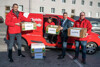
64,36
83,46
12,39
64,45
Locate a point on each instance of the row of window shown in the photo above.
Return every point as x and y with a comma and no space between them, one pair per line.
82,2
72,11
7,9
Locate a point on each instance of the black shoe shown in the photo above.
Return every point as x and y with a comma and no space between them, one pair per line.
11,60
75,58
61,57
83,61
21,55
10,55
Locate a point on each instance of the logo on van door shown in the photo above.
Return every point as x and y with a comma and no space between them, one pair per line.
36,19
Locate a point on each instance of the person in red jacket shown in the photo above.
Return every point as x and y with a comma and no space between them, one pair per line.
13,19
82,23
50,36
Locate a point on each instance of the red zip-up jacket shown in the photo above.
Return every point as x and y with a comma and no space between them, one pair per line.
11,19
83,24
46,24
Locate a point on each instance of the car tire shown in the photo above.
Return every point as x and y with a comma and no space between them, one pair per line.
91,48
24,43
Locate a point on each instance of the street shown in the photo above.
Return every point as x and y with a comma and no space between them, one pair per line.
51,56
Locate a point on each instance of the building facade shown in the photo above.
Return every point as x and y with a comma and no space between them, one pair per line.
72,7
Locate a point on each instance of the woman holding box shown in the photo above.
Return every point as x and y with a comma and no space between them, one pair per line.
50,36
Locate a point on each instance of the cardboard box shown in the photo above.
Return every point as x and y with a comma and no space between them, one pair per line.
77,32
28,26
37,47
38,50
38,55
53,29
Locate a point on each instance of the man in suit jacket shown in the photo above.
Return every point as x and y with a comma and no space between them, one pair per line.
65,24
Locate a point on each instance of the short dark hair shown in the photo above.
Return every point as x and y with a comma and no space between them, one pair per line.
65,13
82,12
50,18
15,4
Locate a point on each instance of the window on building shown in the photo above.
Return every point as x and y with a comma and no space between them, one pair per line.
52,10
91,3
7,10
97,14
73,1
64,1
53,0
82,2
41,9
20,7
90,14
99,4
63,10
73,11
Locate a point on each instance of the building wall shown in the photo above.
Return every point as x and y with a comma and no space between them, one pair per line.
4,3
58,5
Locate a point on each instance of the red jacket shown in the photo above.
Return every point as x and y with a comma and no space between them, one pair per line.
83,24
10,21
46,24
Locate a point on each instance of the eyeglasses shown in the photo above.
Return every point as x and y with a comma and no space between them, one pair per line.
82,15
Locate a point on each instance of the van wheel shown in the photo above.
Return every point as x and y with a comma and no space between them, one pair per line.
24,43
91,48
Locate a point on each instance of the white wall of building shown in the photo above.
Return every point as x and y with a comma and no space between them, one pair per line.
58,5
4,3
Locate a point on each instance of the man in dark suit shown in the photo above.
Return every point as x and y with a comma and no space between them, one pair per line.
65,24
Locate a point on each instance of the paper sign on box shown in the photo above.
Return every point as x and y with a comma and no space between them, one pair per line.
28,26
75,33
52,30
38,56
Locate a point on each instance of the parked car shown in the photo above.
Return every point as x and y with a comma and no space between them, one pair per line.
37,36
1,19
95,26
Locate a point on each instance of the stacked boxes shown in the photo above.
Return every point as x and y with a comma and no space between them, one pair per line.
77,32
38,50
28,26
53,29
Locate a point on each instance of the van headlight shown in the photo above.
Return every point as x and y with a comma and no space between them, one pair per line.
98,36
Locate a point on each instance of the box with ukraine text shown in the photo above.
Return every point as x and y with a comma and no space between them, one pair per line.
26,26
53,29
77,32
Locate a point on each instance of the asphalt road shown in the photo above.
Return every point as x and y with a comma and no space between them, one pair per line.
51,56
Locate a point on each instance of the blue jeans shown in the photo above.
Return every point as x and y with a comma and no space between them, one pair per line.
64,45
12,39
83,46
